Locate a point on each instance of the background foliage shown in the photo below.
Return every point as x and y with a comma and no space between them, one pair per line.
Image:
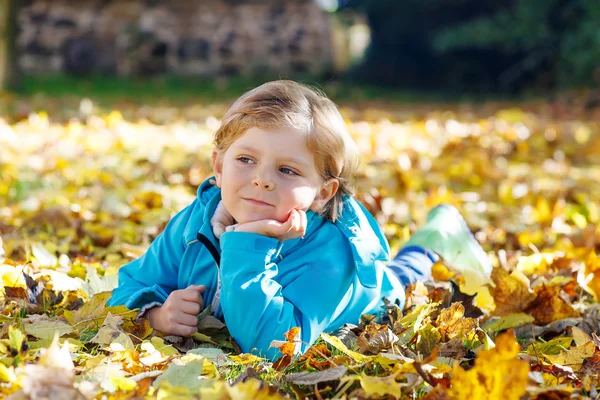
482,45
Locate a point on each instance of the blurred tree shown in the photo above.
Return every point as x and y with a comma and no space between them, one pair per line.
481,45
8,36
557,39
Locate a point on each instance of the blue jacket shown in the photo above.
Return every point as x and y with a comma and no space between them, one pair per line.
318,283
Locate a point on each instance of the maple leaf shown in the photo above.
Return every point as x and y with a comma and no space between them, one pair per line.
93,313
316,356
452,323
549,306
511,293
497,374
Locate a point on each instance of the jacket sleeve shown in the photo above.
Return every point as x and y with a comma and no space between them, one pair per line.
257,309
150,279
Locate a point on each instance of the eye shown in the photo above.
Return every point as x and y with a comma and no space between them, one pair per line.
287,171
244,160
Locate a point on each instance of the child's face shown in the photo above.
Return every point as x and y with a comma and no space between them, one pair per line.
265,174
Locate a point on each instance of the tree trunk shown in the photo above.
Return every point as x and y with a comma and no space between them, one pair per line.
8,38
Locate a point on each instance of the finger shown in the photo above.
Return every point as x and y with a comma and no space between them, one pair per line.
191,308
183,330
218,229
193,293
303,222
186,319
293,219
262,227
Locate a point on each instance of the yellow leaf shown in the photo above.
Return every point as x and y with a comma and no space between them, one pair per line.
452,322
217,391
43,327
337,343
7,374
246,358
12,276
512,293
165,349
439,272
93,313
542,212
122,383
580,336
413,321
551,347
377,386
251,389
114,118
497,374
574,356
537,263
509,321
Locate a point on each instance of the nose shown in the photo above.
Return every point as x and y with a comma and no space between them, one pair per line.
263,182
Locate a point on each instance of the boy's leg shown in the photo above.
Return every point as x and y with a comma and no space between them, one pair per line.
445,234
412,264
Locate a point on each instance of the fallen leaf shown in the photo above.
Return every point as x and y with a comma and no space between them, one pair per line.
376,338
573,357
380,386
551,347
45,328
94,284
110,332
428,338
312,378
508,321
337,343
496,375
452,323
93,312
187,376
511,293
548,306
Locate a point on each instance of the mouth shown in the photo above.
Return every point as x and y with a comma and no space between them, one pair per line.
257,202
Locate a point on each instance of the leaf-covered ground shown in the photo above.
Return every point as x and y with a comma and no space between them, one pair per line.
83,190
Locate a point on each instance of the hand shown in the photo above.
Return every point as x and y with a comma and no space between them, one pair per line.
294,227
179,314
221,219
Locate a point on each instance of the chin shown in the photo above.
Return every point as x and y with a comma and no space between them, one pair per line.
251,217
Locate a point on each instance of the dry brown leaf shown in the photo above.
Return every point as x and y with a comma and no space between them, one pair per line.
452,322
548,306
512,293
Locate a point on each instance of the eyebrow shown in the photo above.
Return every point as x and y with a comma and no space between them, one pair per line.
287,159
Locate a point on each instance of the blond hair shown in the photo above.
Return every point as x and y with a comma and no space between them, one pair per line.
291,105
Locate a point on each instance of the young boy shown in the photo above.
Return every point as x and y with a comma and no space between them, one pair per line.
275,239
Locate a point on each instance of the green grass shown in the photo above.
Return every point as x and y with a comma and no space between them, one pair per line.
176,90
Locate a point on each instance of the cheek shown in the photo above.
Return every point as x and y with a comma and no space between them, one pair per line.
301,198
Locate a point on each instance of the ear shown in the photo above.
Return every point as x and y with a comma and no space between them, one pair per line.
327,191
217,164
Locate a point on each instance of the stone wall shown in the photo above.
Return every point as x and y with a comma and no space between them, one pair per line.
187,37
